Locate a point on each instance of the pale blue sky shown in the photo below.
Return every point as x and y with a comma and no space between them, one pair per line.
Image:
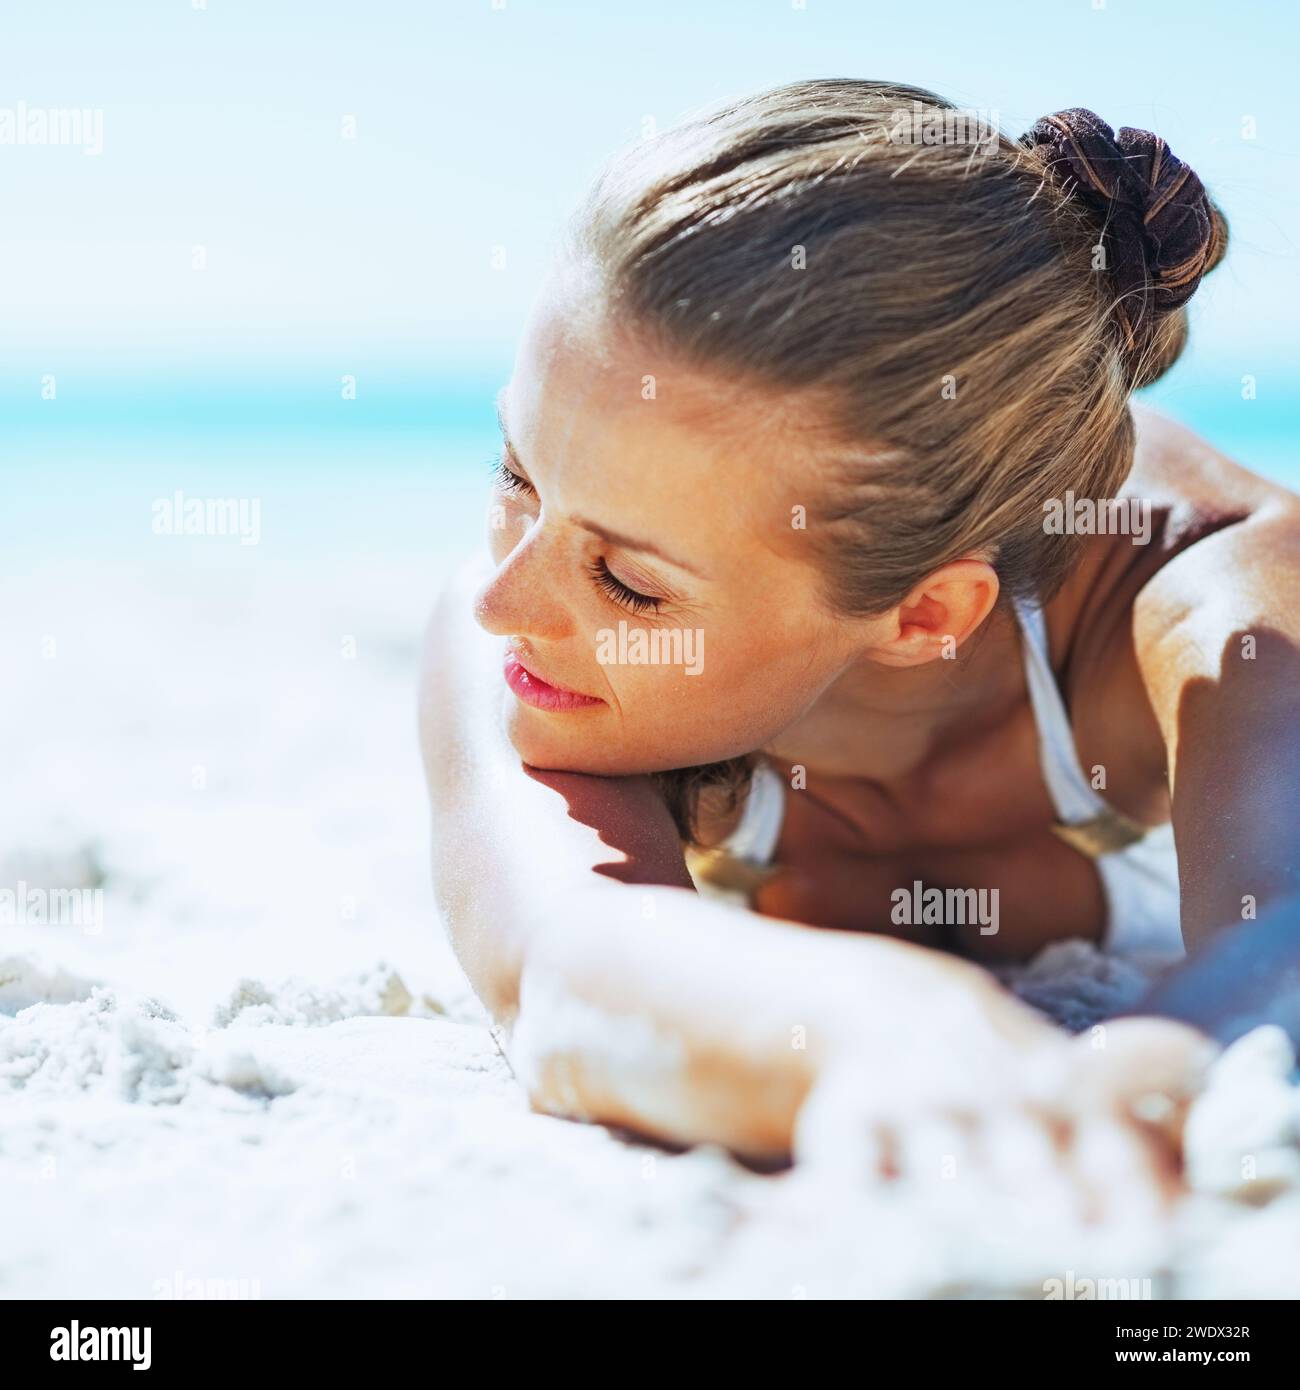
479,127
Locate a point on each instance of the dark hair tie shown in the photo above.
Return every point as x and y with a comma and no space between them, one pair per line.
1163,231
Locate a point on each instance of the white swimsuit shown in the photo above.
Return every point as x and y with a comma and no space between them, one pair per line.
1139,869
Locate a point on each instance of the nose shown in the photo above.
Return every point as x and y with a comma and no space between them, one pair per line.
520,599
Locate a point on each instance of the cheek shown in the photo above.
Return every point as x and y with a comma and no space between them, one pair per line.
751,683
741,698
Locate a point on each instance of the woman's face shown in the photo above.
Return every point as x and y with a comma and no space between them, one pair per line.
650,556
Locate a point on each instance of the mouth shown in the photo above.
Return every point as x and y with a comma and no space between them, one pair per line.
529,687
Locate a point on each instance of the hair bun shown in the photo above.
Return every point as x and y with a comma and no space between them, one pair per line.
1163,231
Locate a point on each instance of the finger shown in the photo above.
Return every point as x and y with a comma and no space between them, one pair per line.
934,1148
1118,1176
1151,1068
1023,1156
841,1134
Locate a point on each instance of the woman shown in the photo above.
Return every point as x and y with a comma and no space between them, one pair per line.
811,586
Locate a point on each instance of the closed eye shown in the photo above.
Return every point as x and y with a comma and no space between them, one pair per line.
621,593
507,479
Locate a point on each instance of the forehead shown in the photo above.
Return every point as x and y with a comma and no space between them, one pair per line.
618,430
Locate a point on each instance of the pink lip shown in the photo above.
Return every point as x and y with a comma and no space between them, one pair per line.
532,690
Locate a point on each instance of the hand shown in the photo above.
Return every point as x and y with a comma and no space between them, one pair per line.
977,1085
1147,1071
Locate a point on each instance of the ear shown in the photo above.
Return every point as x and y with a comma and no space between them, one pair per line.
938,615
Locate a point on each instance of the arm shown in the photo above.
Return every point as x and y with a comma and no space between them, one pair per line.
625,996
1222,665
509,840
1246,976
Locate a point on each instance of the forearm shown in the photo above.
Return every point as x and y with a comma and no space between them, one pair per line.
504,859
673,1016
1235,820
1225,683
1248,974
680,1017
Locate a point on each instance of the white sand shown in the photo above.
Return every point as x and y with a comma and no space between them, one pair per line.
266,1068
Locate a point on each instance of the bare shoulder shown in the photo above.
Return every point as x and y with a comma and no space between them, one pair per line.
1231,539
1219,539
1228,583
1175,464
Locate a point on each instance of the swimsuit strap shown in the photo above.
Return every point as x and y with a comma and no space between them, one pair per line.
756,837
743,861
1085,820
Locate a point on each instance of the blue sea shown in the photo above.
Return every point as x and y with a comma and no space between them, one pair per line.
403,469
402,473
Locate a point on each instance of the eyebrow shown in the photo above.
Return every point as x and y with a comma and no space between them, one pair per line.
631,543
612,537
500,404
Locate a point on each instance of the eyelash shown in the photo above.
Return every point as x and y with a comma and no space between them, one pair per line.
509,481
619,592
506,478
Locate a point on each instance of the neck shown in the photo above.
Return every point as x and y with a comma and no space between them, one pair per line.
883,723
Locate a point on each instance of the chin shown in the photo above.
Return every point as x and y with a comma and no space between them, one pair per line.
556,743
542,741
